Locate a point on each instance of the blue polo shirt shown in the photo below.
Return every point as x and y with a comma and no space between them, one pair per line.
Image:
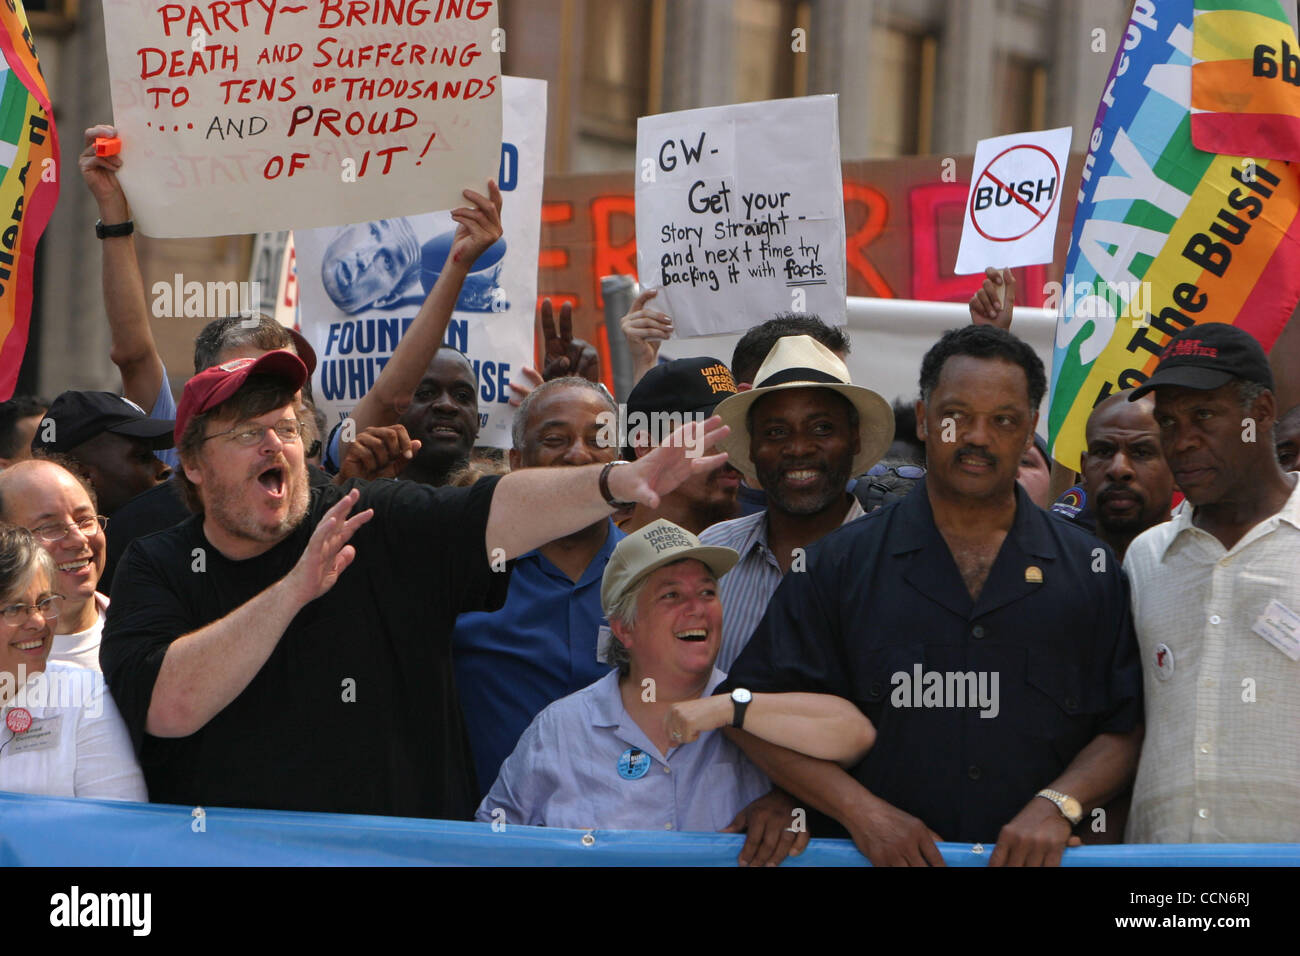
977,705
540,646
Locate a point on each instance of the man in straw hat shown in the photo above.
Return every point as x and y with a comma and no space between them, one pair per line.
990,644
801,433
636,750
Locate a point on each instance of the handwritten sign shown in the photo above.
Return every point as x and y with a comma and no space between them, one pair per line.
493,320
1014,201
253,115
739,216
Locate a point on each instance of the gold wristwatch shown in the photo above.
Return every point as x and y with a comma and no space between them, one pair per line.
1069,807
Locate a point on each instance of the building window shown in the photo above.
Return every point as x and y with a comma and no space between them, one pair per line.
51,16
902,92
1022,95
766,66
615,68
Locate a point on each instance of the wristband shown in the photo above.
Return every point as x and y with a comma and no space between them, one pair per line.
604,486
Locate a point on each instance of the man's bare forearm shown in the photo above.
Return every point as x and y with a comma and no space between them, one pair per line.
132,347
821,784
205,670
393,389
1101,770
525,515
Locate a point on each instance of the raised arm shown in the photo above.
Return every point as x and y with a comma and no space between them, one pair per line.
536,505
817,725
477,227
132,346
993,301
205,670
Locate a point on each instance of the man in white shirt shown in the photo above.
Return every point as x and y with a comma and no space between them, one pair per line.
59,508
1216,604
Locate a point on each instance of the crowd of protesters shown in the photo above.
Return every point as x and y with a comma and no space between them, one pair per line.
804,613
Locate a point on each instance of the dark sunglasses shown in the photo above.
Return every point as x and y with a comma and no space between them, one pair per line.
910,472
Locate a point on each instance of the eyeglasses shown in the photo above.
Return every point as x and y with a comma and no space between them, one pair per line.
910,472
48,608
54,533
286,429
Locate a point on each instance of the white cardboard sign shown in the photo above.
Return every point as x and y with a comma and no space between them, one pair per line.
494,316
740,213
259,115
1014,201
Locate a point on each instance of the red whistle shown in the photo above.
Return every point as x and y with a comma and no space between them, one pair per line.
107,145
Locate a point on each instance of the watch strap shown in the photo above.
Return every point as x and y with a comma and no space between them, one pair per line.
114,231
738,709
1059,799
604,485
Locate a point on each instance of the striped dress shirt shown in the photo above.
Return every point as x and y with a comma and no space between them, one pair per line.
746,588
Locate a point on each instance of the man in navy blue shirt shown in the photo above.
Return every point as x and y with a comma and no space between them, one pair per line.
541,644
990,644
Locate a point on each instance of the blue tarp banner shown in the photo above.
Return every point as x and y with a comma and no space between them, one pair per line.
53,831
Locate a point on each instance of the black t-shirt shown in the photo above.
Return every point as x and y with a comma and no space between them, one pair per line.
978,704
355,711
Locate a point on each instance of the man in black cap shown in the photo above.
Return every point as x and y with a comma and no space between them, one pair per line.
111,439
1216,604
668,395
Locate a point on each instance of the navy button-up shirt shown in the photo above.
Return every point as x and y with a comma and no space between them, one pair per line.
540,646
977,704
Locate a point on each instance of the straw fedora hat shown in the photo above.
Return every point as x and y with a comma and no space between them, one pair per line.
800,361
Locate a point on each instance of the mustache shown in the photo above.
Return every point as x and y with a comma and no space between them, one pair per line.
970,451
1113,491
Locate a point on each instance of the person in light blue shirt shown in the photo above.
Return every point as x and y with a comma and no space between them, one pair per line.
641,748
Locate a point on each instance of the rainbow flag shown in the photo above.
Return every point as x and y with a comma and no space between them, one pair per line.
1165,235
1245,79
29,182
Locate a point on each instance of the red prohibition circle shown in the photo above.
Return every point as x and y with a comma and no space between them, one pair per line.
1041,216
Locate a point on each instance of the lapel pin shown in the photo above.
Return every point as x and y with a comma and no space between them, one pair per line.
1033,574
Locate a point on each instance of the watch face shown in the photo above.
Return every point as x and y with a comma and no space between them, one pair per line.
1072,809
741,696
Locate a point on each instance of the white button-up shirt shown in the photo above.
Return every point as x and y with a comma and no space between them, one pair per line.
1221,760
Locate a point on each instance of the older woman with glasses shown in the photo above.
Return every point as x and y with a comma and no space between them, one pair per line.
60,733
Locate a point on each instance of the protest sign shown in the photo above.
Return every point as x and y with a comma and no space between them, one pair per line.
29,183
737,218
248,116
494,316
1015,200
1245,80
1165,235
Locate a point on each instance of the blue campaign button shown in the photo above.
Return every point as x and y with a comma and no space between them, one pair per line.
633,764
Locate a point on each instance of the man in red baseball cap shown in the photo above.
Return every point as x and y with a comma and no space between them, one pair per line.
278,650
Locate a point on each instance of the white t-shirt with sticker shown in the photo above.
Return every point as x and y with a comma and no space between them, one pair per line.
62,736
82,648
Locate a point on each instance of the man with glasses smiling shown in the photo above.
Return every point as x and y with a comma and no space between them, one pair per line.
58,507
274,652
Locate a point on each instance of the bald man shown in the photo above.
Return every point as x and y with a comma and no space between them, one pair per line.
1128,485
59,508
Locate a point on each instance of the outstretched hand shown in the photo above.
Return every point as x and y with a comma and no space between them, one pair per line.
478,225
564,354
328,553
664,468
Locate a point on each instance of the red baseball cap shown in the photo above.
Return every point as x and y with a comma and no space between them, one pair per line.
215,385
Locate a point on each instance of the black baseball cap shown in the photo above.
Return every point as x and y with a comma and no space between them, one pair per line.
1207,356
683,385
79,416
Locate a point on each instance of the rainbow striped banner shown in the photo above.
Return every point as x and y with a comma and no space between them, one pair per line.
29,182
1245,79
1165,235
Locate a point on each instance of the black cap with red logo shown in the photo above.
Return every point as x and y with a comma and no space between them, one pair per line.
1207,356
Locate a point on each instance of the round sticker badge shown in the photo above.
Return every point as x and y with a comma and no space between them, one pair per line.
633,764
18,720
1164,661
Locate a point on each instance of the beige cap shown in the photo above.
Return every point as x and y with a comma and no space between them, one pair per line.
659,543
800,361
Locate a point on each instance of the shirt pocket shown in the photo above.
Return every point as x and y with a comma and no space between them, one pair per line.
1060,706
883,669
